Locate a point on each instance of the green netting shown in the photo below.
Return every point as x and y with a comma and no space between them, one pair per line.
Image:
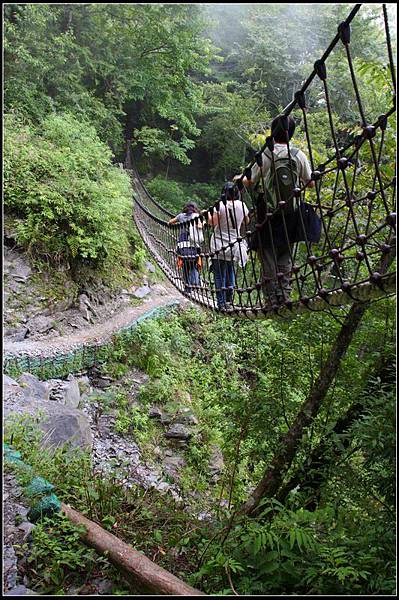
38,487
44,508
39,490
62,364
11,455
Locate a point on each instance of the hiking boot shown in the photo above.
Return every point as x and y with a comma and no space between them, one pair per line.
283,298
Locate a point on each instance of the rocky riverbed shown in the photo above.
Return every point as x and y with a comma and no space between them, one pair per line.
75,412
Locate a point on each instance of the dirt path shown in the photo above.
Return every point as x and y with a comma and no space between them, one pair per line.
93,334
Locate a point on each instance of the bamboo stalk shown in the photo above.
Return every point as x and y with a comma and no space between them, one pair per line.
144,574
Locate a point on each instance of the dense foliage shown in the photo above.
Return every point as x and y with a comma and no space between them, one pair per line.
119,65
194,88
331,533
71,204
246,384
173,195
195,108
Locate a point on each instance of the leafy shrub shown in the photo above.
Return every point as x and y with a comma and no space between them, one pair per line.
57,555
153,345
170,194
158,142
72,205
323,551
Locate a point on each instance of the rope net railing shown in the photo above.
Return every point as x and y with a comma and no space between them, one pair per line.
327,242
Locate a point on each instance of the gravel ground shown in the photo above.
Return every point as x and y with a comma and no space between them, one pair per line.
16,532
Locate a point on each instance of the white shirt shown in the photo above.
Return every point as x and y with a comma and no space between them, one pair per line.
195,234
227,230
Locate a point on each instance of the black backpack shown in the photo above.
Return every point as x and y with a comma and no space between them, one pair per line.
300,225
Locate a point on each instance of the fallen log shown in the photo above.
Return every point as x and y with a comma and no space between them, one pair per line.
144,574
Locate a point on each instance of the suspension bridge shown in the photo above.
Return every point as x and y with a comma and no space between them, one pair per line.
353,198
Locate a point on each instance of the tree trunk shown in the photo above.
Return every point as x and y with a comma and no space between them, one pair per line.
314,474
289,443
144,575
274,474
128,160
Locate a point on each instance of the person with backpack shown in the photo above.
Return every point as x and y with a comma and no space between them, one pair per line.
188,247
226,243
283,169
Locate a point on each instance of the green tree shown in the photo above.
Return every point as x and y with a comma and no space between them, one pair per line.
72,206
230,118
105,62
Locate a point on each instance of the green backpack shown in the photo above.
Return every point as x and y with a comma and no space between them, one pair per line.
280,181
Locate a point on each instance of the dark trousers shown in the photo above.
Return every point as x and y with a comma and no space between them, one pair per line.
276,260
223,272
190,274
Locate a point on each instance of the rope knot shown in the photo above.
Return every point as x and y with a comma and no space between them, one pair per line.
385,248
316,175
323,293
344,31
369,132
361,239
297,192
321,69
346,286
376,278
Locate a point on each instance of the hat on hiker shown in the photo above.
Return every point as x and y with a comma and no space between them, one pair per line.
280,126
190,207
230,191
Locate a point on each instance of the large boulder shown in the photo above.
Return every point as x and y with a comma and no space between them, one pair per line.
173,463
178,432
21,590
141,292
72,392
7,380
186,416
21,271
33,387
155,413
40,324
60,424
149,267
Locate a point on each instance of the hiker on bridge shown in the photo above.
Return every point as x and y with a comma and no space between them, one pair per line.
188,246
282,169
226,243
